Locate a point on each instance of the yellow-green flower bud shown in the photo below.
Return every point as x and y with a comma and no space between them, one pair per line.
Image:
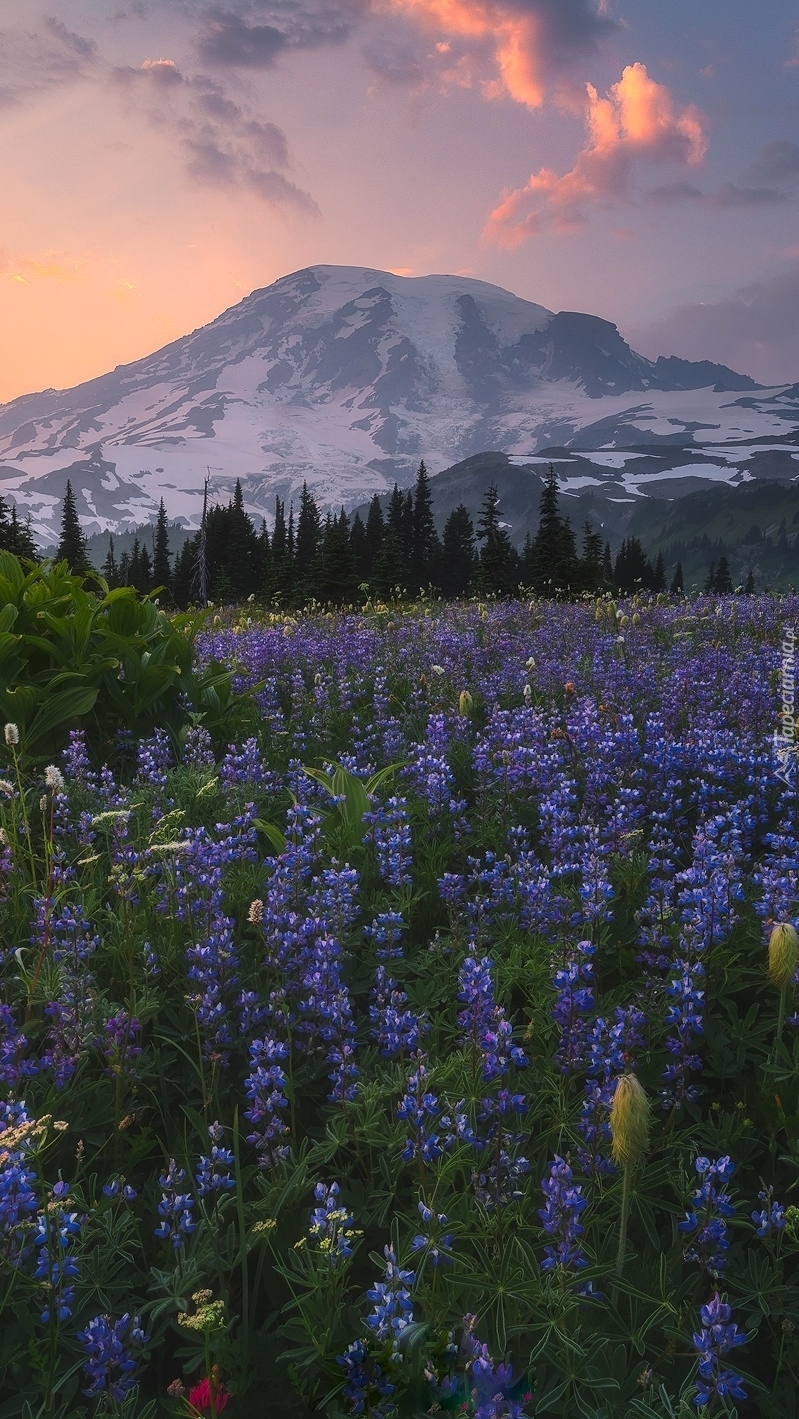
783,955
465,704
629,1121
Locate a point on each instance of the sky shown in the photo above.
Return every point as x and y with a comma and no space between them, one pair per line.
160,159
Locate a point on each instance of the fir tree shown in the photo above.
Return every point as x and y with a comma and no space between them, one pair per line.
309,534
162,571
749,589
710,581
607,566
360,549
109,570
633,570
425,545
498,565
554,554
659,582
590,573
677,587
338,576
723,584
374,534
457,565
72,547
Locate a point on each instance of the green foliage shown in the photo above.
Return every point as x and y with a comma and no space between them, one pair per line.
73,656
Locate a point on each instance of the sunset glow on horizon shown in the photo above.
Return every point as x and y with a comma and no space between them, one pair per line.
161,160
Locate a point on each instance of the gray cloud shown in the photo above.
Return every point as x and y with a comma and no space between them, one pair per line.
673,193
566,28
396,61
731,195
222,145
40,58
755,330
776,162
228,40
253,34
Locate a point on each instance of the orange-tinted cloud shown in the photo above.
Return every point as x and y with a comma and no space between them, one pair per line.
637,120
527,40
27,268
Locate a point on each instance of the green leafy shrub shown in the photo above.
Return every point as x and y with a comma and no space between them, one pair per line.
74,656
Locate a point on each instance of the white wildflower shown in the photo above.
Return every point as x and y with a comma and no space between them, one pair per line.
12,735
54,778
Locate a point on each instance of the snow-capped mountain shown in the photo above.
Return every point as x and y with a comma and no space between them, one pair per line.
346,377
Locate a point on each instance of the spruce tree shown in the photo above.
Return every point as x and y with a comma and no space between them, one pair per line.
360,549
162,571
607,567
145,570
677,587
633,570
425,545
457,565
749,589
374,534
72,547
710,581
555,567
309,534
723,583
109,570
659,583
338,576
590,573
498,565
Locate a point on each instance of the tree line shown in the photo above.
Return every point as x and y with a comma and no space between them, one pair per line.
340,559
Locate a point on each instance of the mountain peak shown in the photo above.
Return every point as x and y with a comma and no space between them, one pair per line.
344,376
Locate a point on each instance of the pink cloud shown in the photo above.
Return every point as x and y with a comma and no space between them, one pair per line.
527,41
637,120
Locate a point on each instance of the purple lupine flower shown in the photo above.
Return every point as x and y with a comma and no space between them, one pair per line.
574,1000
564,1205
118,1043
717,1337
56,1264
109,1366
265,1088
420,1108
390,833
705,1224
154,759
437,1245
330,1226
18,1200
13,1046
175,1208
198,748
685,1017
212,1174
489,1383
244,766
364,1383
772,1217
394,1029
75,758
392,1311
386,932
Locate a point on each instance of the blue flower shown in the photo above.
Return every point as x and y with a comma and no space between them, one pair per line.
717,1337
175,1208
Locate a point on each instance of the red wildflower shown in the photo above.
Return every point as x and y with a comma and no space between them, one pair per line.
200,1397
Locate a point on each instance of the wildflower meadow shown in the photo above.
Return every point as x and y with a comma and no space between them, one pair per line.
405,1024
